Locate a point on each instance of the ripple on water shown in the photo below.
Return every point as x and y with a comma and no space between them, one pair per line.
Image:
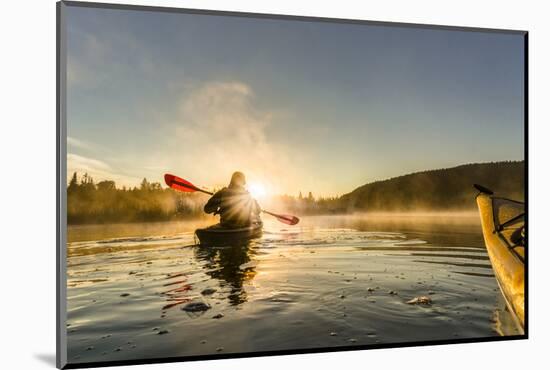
355,283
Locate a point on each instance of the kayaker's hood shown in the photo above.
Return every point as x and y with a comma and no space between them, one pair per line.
237,188
238,179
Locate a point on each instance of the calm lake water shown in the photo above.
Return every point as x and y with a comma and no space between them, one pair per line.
330,281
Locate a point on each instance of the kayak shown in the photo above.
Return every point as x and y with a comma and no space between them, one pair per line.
503,225
220,235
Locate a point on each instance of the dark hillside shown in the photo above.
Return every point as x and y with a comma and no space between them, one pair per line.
449,188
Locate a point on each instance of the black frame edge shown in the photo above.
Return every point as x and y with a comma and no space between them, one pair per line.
290,352
57,215
61,227
165,9
526,175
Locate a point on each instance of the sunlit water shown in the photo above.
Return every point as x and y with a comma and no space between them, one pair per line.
332,281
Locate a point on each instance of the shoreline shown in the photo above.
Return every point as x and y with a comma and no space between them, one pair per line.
461,212
379,220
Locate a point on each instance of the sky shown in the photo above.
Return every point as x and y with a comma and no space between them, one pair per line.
295,105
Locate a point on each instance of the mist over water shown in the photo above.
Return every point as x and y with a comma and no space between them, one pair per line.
330,281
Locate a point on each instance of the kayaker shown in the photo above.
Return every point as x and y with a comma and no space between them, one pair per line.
234,204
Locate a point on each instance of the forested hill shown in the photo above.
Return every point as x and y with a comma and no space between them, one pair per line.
445,189
449,188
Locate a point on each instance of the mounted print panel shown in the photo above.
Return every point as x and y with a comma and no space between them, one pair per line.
235,185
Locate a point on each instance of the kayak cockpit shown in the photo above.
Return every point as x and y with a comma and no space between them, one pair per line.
509,224
222,235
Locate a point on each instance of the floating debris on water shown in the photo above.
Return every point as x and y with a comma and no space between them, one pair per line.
90,348
333,334
392,292
420,300
196,307
208,291
163,331
219,349
203,341
352,340
125,294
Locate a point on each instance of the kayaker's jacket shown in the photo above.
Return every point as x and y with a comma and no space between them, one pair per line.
235,206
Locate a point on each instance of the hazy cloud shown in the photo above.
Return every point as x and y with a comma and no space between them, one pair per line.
76,143
220,130
97,169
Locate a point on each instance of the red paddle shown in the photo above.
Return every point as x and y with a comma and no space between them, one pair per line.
177,183
285,219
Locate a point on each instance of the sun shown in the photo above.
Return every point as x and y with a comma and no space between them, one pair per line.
257,190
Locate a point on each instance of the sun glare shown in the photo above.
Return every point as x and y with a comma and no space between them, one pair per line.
257,190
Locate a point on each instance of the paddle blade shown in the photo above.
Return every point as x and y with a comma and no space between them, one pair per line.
483,189
287,219
178,183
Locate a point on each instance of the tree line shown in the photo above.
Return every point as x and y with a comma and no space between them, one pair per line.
89,202
444,189
103,202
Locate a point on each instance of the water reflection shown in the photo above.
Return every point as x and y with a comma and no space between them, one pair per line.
170,297
177,289
231,265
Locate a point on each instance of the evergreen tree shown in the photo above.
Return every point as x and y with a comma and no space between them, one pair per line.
73,184
144,185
